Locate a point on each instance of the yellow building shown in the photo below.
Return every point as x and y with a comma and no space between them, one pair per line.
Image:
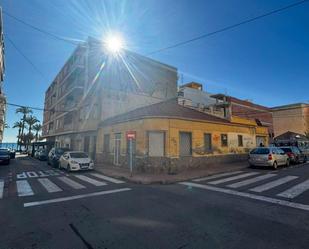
171,137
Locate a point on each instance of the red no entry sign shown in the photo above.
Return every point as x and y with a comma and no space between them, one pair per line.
131,135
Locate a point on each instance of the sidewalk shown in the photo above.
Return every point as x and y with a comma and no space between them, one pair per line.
144,178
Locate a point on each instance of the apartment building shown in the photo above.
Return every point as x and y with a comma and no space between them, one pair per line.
2,68
94,85
293,118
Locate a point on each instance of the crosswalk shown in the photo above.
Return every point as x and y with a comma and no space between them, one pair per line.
270,187
58,183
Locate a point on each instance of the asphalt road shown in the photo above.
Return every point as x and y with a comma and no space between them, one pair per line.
73,211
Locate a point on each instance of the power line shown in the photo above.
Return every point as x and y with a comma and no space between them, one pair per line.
229,27
25,57
57,37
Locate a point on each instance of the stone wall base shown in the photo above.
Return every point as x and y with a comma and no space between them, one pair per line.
158,165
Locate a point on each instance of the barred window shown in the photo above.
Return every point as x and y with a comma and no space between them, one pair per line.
223,140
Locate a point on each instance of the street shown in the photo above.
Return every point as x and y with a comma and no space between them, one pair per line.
42,207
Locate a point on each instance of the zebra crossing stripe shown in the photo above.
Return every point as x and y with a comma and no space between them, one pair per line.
217,176
296,190
49,185
248,195
107,178
90,180
24,188
69,198
273,184
250,181
1,188
71,183
232,178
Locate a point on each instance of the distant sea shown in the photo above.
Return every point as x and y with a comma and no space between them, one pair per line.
8,145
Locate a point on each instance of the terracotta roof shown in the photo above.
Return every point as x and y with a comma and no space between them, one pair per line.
168,109
248,103
289,135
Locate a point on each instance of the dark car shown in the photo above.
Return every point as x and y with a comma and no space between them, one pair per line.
54,156
5,156
295,155
41,154
12,153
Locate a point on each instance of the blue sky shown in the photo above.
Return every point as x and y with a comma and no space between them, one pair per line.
265,61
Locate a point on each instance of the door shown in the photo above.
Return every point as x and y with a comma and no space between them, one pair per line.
207,142
185,140
94,147
117,149
86,144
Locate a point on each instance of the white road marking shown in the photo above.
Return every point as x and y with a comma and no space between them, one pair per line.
49,185
90,180
250,181
71,183
296,190
24,188
1,188
217,176
36,203
32,174
273,184
248,195
232,178
107,178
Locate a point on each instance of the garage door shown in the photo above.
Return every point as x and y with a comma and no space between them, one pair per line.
156,144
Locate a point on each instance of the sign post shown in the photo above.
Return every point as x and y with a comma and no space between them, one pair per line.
130,136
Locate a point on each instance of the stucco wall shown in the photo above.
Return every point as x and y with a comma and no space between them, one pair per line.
292,119
172,127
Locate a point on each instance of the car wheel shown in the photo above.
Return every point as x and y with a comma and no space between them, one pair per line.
7,162
68,168
305,159
275,165
48,163
287,162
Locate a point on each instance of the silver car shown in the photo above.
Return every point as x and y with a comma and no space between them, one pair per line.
268,156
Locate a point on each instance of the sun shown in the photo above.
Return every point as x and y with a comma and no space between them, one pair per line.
114,43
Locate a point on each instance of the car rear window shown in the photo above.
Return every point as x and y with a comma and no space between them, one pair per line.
4,152
286,149
78,155
260,151
61,151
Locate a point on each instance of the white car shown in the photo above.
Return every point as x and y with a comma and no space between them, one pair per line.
75,160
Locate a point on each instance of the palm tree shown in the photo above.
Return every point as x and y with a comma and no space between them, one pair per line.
24,111
37,128
19,125
31,120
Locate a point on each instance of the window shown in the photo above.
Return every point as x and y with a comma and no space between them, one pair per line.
156,143
207,142
185,141
240,141
223,140
106,143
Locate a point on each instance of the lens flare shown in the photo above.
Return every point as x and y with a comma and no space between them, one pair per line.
114,43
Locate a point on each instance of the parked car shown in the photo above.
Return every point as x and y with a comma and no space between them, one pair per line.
76,160
41,154
12,153
54,156
268,156
295,155
5,156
